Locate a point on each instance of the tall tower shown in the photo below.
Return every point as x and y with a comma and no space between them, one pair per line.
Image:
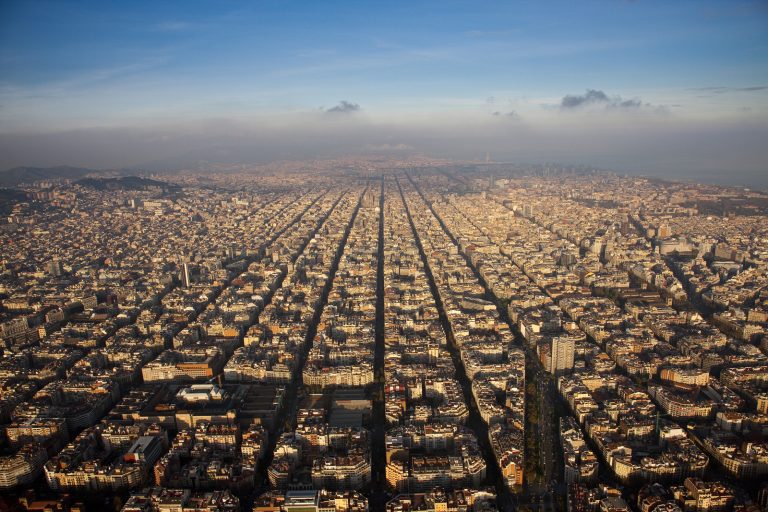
563,355
185,277
55,268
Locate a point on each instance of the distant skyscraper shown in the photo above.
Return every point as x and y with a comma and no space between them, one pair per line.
55,268
562,355
371,199
185,275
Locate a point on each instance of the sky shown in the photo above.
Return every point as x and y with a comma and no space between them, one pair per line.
674,88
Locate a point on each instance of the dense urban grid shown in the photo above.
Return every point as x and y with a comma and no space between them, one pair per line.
345,336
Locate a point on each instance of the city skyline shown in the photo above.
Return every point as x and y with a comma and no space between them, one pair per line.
369,335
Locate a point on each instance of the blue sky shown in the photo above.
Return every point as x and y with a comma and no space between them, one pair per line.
78,65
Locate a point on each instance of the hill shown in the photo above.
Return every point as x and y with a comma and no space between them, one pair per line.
17,175
8,198
125,183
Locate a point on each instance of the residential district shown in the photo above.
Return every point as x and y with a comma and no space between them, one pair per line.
389,336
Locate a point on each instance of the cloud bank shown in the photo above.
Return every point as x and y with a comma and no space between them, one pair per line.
724,90
732,150
598,97
344,107
593,128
